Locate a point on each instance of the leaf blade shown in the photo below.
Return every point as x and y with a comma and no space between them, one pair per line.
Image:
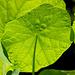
15,38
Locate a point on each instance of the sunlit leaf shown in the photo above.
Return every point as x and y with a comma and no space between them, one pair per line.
50,25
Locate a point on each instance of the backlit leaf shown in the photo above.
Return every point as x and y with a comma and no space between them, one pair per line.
50,25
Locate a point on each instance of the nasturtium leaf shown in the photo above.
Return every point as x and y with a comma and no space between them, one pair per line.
56,72
52,72
49,25
12,9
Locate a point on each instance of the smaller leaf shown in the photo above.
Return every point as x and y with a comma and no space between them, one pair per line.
73,27
72,34
52,72
57,72
15,72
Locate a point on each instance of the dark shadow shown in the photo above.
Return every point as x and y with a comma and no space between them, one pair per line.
9,72
69,7
5,52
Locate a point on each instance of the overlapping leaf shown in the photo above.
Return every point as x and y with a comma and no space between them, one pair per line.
56,72
52,72
73,30
50,25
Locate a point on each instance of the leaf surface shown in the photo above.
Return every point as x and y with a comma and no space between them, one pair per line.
52,72
56,72
1,67
51,25
73,32
12,9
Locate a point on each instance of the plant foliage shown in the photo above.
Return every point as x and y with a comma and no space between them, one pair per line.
52,38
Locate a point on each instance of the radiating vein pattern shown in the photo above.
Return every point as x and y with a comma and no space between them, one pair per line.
50,24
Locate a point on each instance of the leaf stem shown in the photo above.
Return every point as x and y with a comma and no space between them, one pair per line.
33,70
3,73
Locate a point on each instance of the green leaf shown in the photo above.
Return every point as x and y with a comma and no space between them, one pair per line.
56,72
52,72
15,72
1,66
73,31
12,9
72,34
52,27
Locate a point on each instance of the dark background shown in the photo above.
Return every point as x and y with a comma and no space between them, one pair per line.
67,60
